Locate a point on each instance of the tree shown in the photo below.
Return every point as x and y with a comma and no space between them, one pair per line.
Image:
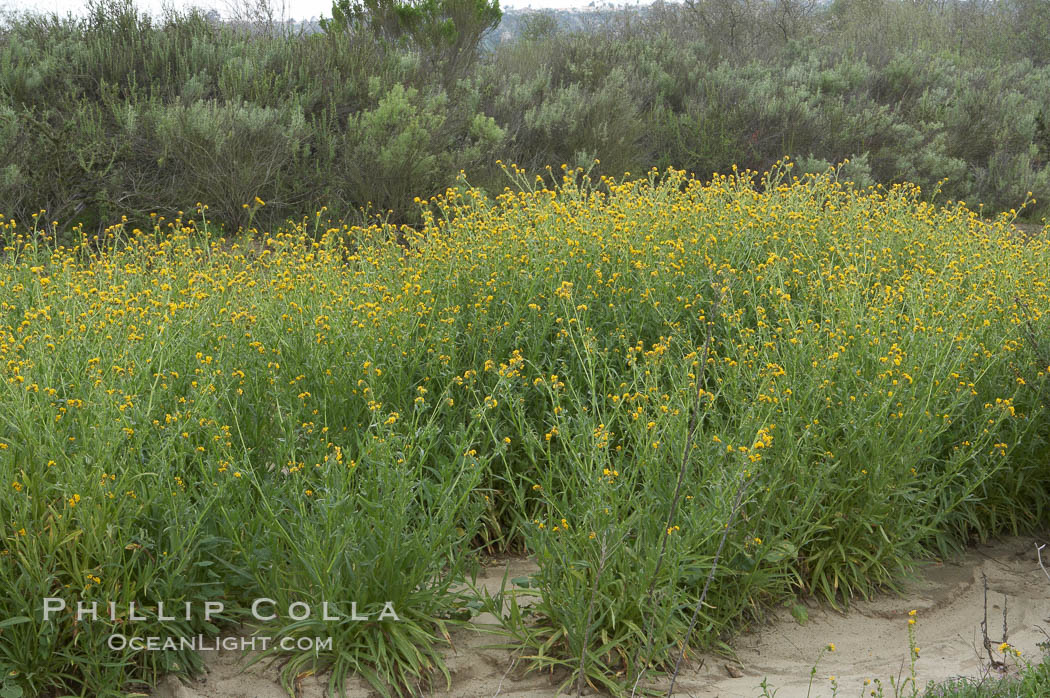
448,33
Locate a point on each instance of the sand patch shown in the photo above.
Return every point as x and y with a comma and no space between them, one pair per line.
871,640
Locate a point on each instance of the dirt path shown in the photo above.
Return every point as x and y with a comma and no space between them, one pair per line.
871,640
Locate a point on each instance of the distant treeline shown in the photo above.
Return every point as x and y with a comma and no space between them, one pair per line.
119,114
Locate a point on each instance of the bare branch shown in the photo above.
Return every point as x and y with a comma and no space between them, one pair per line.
1039,554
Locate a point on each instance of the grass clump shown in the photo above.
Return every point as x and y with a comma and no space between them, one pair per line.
1034,682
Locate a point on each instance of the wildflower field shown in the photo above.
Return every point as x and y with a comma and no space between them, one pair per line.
624,380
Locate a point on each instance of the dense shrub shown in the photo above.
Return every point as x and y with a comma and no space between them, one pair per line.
329,418
119,113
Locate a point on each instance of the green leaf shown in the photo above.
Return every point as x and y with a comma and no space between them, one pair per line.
779,550
16,620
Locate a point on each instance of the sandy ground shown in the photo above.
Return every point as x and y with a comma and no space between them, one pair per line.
871,640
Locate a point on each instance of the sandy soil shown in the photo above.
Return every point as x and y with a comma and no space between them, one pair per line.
871,640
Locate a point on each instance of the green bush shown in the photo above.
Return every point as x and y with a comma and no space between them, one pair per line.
229,153
410,143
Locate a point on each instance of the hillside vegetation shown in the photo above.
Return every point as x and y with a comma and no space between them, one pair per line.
332,316
119,114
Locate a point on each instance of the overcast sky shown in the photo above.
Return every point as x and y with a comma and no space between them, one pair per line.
296,9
